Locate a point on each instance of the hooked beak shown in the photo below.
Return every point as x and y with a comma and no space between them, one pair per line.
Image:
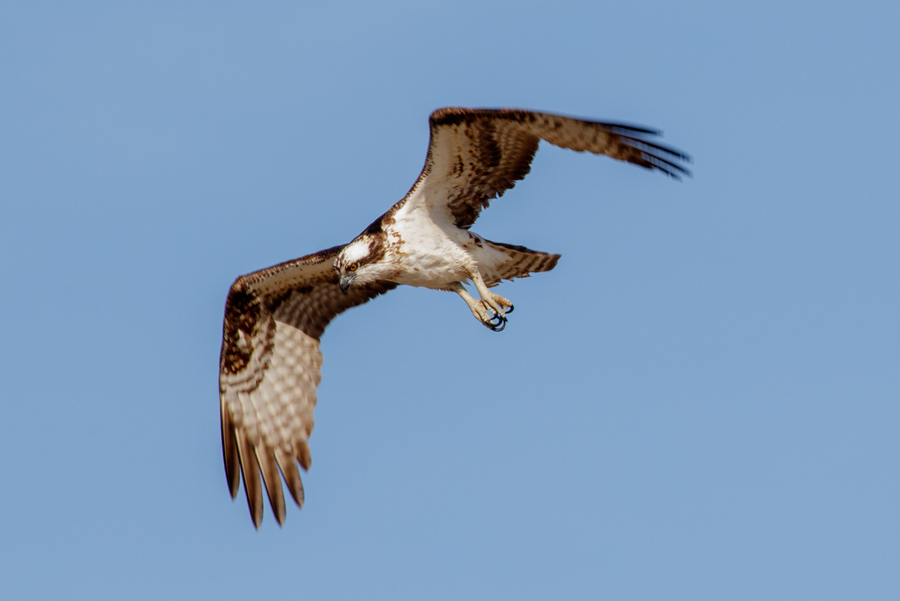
345,282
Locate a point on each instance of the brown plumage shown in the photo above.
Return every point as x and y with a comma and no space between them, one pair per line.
273,321
482,153
270,363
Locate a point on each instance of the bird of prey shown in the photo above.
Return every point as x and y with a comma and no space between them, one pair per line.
270,362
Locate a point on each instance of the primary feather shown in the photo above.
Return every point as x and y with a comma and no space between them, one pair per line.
270,364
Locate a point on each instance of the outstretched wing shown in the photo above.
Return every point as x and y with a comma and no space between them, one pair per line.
269,370
476,155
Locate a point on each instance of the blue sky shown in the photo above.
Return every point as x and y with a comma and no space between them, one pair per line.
699,402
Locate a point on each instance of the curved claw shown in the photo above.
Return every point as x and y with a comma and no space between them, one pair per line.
497,323
511,309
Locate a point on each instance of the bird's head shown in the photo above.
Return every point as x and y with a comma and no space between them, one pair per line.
354,262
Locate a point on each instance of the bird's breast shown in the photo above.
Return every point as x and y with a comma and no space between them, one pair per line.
426,256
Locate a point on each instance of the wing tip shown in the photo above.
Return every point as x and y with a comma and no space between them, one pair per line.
230,454
267,468
252,484
654,156
272,480
304,456
291,474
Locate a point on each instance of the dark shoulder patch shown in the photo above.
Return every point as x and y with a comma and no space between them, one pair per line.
243,311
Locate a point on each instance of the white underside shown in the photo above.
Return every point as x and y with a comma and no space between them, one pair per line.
436,253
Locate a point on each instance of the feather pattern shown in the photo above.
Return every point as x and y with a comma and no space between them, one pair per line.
270,364
517,262
270,367
478,154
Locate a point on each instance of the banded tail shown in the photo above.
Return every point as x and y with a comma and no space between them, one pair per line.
519,263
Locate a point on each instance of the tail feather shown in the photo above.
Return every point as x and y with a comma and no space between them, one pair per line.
519,262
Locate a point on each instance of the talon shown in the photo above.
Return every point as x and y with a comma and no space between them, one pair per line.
489,324
511,309
497,323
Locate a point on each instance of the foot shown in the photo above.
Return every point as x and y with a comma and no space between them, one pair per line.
492,318
490,310
497,303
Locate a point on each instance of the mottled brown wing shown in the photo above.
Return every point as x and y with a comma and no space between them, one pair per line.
475,155
269,369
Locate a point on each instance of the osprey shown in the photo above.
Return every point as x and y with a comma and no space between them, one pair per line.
270,362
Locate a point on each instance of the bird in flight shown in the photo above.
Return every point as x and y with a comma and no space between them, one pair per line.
270,364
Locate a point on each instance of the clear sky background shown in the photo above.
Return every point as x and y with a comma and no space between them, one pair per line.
702,401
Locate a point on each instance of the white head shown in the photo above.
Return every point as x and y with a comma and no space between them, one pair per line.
356,261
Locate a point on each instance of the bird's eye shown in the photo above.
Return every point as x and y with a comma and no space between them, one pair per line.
353,266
